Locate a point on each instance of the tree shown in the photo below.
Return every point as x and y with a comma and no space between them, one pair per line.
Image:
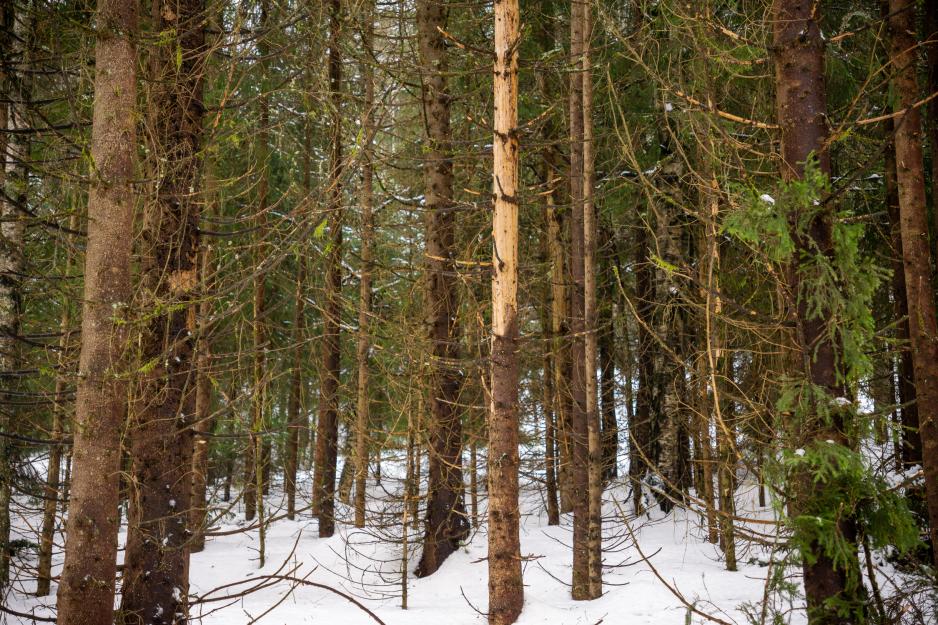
445,523
86,588
327,427
506,593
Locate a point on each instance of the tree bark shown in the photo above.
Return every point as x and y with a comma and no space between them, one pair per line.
364,298
801,108
445,524
86,588
916,255
506,593
156,563
327,427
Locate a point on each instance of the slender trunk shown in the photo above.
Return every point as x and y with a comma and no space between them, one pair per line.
548,410
204,422
364,298
916,255
297,423
14,183
640,427
50,505
506,594
801,106
327,427
610,425
591,326
445,522
910,450
86,588
156,562
579,415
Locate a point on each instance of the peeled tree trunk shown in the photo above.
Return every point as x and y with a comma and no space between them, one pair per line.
86,587
832,589
162,422
446,524
916,254
506,594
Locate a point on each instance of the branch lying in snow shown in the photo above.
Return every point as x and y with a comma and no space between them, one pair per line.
671,588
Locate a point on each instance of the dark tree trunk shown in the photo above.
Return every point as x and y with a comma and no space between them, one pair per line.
801,106
640,429
916,255
86,588
156,563
445,524
327,427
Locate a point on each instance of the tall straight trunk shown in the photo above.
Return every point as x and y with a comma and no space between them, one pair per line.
14,183
801,108
367,260
607,378
549,410
559,349
590,317
327,427
640,427
579,422
204,422
910,440
931,86
445,522
916,255
59,421
86,588
156,561
506,593
297,422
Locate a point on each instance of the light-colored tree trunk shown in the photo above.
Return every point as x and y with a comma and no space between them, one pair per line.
506,594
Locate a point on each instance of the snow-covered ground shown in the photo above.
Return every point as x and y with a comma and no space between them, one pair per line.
366,566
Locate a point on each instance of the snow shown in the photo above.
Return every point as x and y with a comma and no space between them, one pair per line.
365,564
768,199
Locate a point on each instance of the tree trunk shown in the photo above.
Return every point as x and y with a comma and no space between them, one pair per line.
86,588
364,298
916,254
801,107
156,562
931,86
640,428
327,427
445,522
14,184
506,594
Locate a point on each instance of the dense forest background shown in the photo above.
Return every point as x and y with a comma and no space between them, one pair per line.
264,261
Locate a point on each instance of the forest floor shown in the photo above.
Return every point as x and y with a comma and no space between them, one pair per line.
365,565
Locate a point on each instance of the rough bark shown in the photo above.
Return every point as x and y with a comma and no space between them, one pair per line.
445,522
86,588
327,427
506,594
801,108
916,255
156,563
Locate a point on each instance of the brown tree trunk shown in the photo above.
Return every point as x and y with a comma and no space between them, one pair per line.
916,255
910,441
801,107
610,425
86,588
14,184
590,317
445,522
156,562
578,419
506,594
931,86
367,260
59,414
641,426
549,410
327,427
